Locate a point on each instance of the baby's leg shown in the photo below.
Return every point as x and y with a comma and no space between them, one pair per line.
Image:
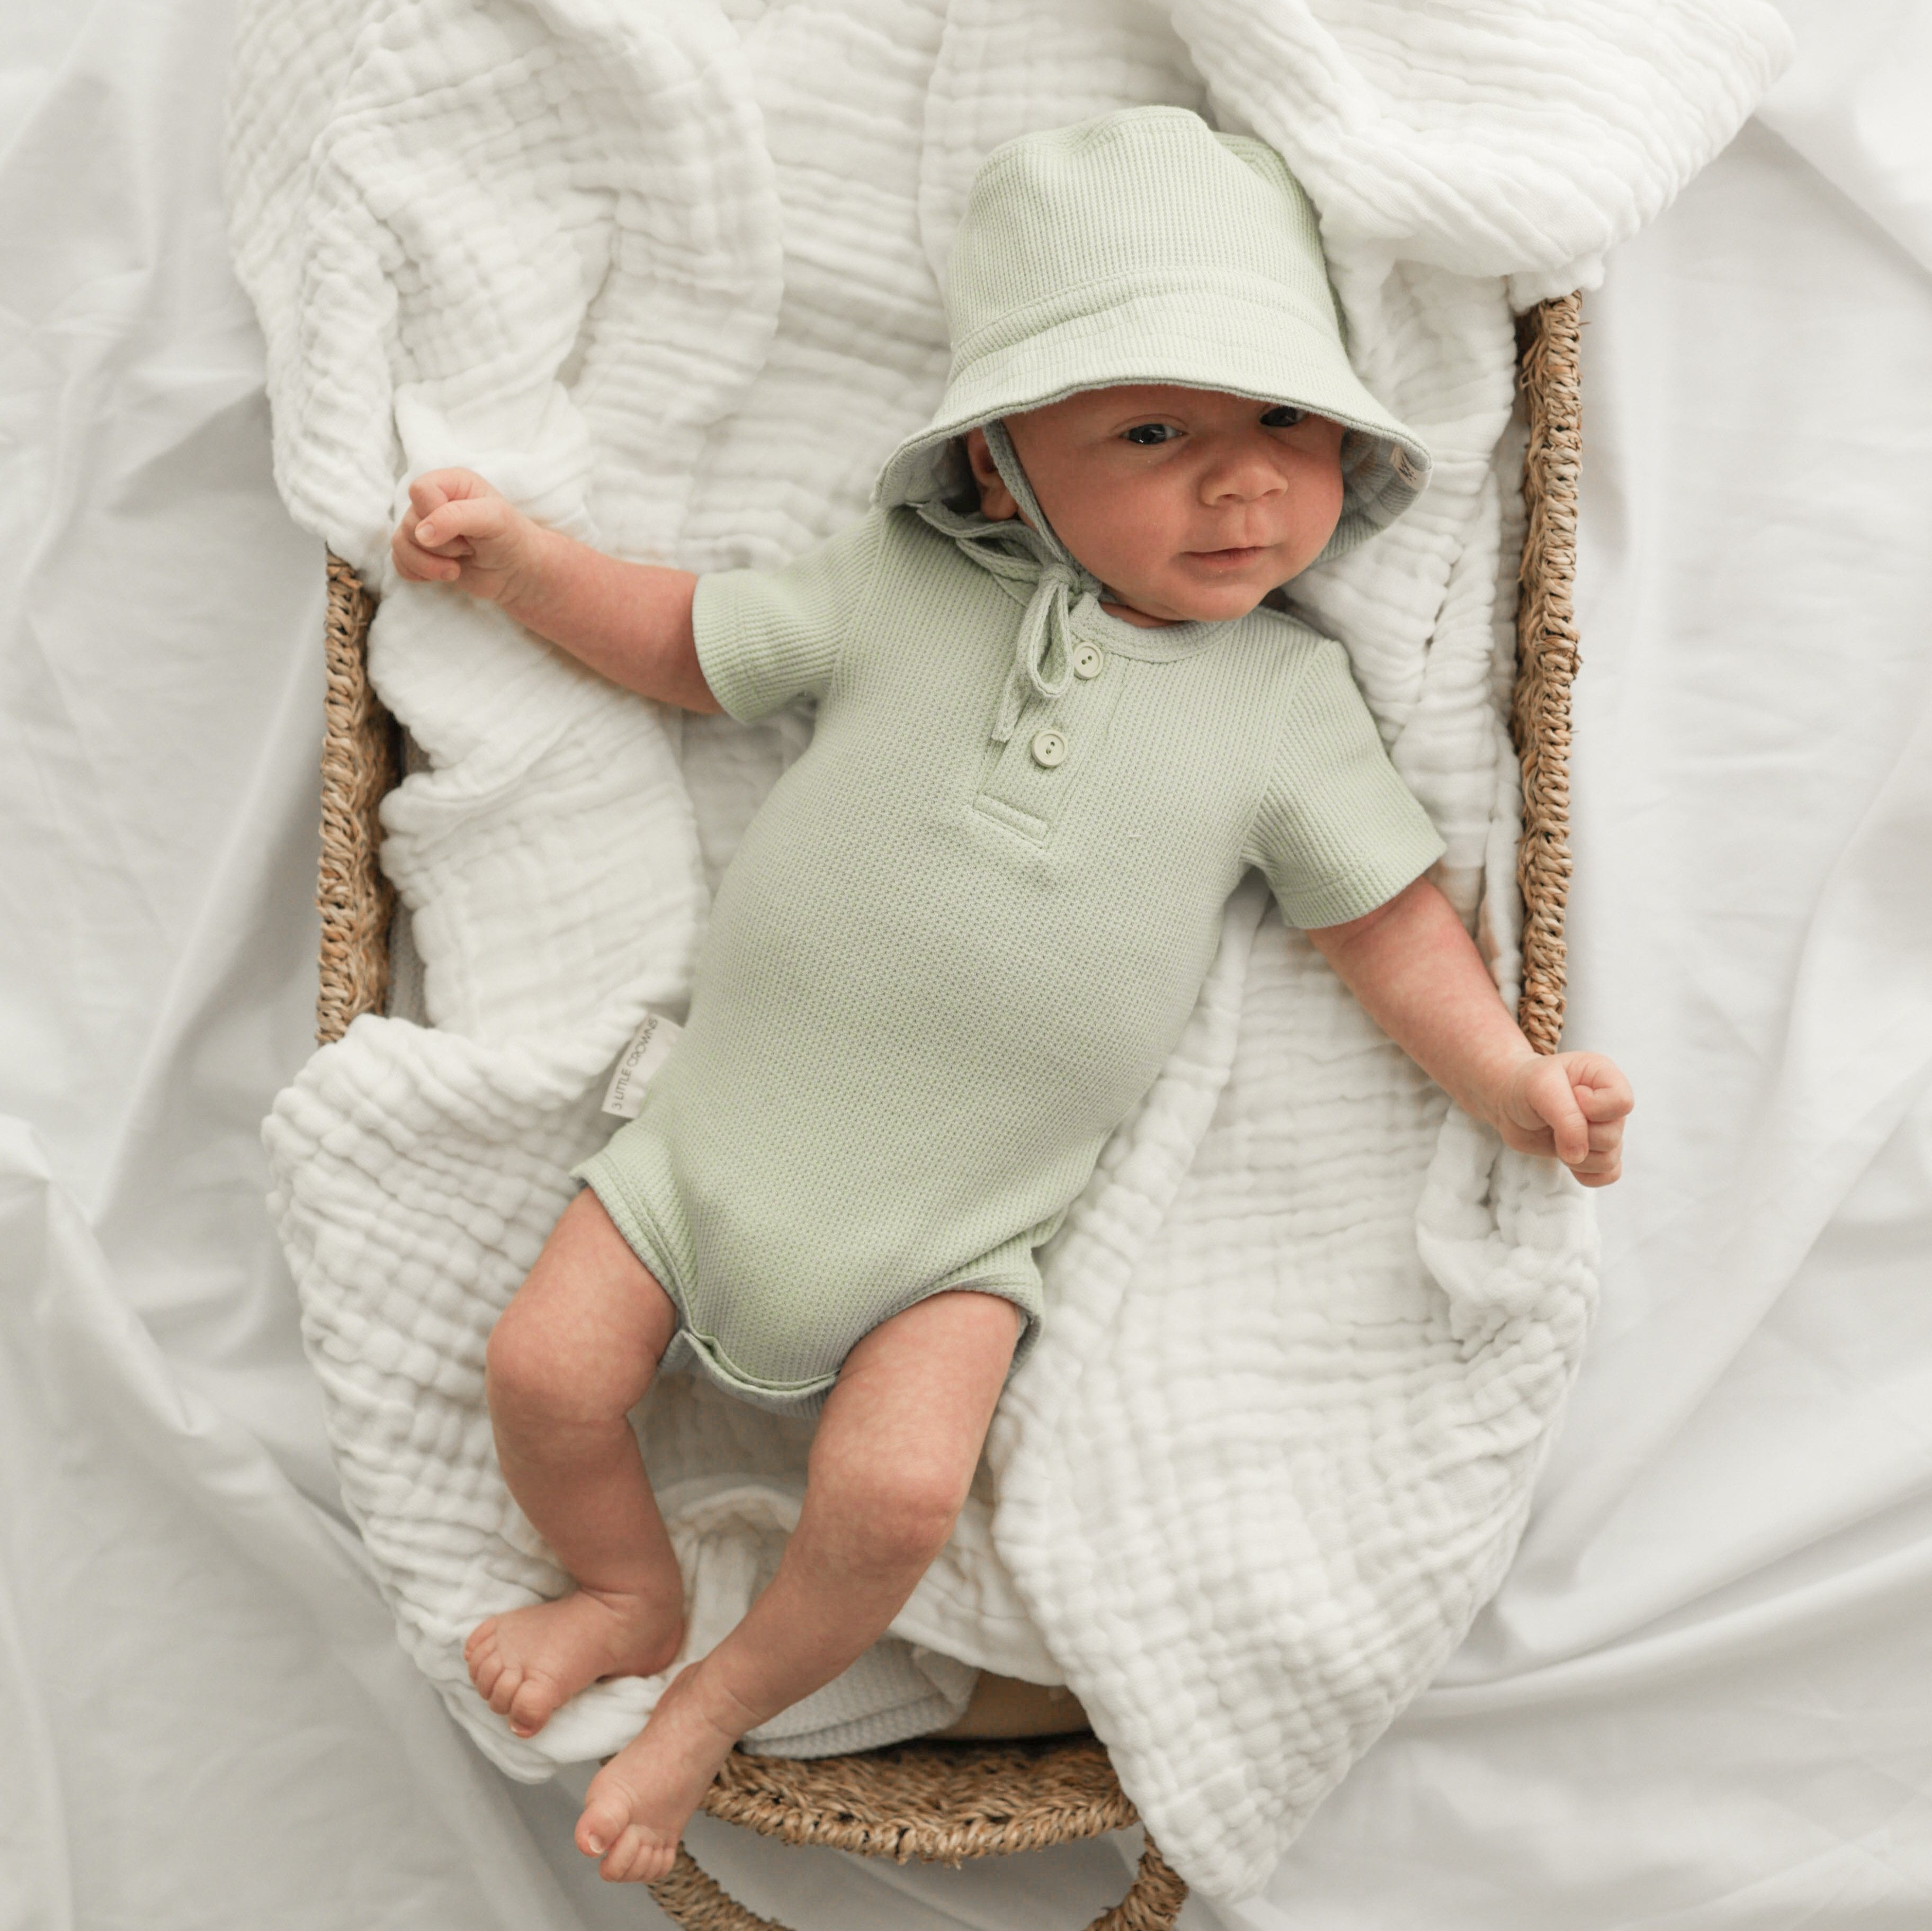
571,1356
893,1460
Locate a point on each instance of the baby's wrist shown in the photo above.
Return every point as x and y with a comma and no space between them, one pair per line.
527,593
1503,1087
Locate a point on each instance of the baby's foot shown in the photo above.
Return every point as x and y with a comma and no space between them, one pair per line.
638,1804
526,1663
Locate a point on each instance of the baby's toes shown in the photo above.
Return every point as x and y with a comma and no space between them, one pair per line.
494,1680
637,1857
486,1663
653,1862
607,1816
530,1705
487,1673
619,1862
505,1682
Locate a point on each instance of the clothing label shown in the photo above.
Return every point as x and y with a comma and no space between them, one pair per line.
649,1048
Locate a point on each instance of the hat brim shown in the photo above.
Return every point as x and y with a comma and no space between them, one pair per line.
1176,336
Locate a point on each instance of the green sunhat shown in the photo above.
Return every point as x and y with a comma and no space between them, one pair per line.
1142,246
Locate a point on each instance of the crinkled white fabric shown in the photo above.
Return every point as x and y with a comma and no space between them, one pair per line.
669,279
1703,1695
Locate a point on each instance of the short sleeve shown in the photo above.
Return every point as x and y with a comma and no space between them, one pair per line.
767,636
1337,832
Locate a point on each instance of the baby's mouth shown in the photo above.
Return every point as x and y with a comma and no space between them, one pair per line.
1228,559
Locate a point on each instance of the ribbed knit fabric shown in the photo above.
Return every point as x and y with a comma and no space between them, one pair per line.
941,969
1142,247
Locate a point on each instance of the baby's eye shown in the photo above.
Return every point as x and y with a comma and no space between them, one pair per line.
1146,434
1284,415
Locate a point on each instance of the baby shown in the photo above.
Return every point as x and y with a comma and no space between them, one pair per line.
1058,718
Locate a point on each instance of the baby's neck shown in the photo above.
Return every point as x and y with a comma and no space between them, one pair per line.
1128,614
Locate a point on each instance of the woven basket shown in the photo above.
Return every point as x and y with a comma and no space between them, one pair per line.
937,1802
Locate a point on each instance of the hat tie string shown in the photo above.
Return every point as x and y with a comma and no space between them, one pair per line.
1022,552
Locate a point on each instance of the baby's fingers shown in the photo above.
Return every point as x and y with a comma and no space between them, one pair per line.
435,487
1605,1160
427,494
1552,1100
1602,1091
455,528
1600,1170
417,564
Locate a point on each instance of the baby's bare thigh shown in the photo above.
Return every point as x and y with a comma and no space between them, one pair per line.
919,1389
590,1317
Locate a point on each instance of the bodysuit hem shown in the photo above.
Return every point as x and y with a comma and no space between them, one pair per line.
689,1348
633,1220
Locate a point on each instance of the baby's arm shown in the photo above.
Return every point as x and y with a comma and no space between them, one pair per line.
1414,969
629,621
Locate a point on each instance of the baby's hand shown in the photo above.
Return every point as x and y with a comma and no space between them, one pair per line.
1570,1106
458,530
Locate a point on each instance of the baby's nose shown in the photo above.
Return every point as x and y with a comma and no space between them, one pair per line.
1242,476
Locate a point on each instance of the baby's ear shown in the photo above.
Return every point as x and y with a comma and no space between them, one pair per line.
996,500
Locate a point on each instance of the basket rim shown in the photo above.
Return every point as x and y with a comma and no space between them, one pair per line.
360,765
958,1798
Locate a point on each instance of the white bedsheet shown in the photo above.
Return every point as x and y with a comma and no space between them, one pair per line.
1702,1700
1290,1262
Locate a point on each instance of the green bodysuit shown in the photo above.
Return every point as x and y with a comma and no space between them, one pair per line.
946,963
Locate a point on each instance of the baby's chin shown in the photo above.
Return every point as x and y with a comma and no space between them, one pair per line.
1187,593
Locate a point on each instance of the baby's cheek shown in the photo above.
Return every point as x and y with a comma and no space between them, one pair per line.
1139,541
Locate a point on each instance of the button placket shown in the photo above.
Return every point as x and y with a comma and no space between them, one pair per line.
1029,783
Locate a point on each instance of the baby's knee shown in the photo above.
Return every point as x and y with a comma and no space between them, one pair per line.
584,1335
524,1371
538,1369
905,1508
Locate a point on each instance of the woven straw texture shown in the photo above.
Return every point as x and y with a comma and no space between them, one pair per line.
941,1803
1546,658
944,1802
358,765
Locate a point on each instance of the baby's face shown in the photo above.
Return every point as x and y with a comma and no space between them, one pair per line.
1188,504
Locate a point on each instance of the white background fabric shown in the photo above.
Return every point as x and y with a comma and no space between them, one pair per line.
1703,1699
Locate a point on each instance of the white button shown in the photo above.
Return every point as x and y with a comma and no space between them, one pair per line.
1048,748
1087,661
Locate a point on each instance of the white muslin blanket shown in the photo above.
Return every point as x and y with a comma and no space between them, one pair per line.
668,273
